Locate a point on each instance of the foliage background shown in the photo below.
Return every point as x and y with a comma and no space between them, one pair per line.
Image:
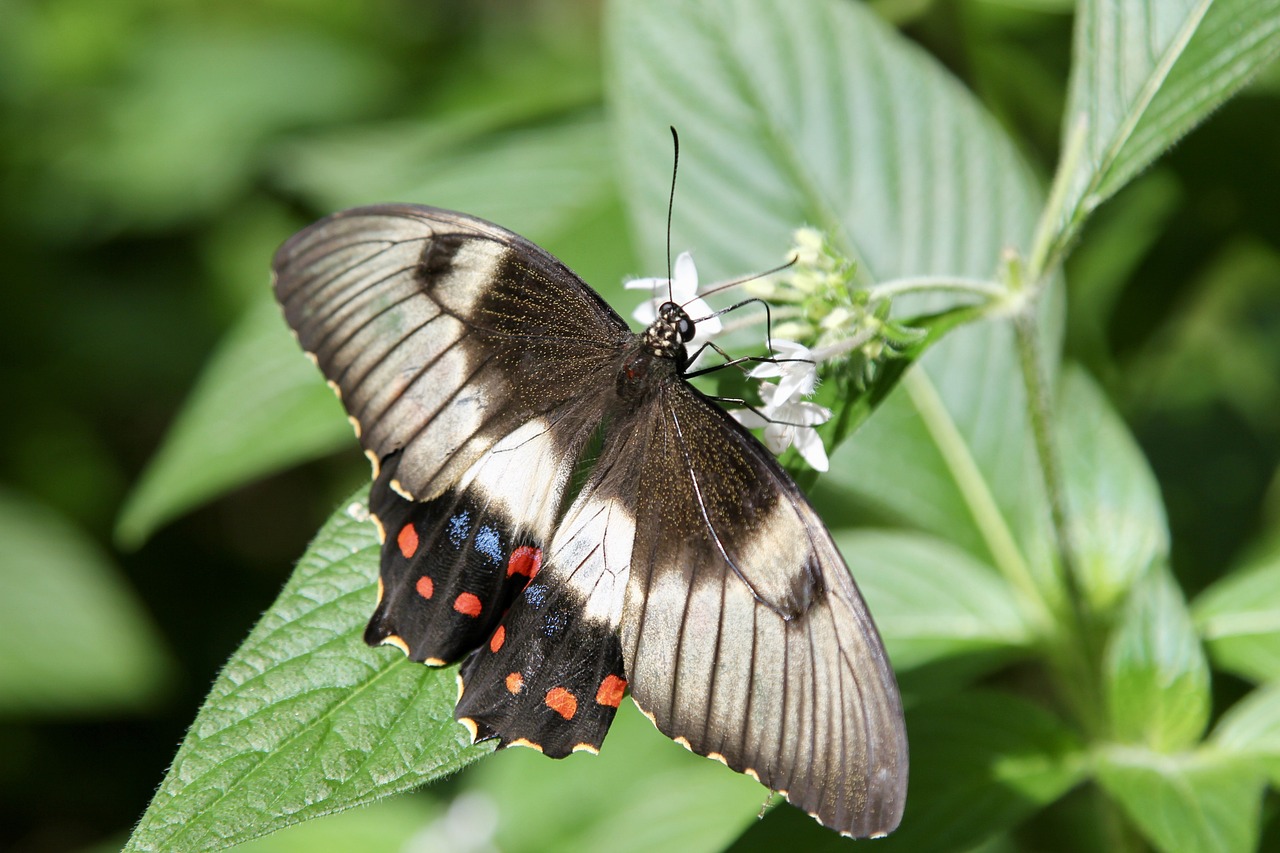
154,153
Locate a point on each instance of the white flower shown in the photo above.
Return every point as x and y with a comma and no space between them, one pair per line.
798,373
787,421
683,291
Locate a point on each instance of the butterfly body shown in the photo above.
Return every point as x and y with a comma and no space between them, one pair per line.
685,566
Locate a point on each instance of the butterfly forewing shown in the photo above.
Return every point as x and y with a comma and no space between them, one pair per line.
476,368
443,334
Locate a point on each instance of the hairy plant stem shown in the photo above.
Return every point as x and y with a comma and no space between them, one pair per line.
1078,655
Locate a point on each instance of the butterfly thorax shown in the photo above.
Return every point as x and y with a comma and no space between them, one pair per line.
658,354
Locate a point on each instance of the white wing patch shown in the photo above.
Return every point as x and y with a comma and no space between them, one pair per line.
524,475
591,554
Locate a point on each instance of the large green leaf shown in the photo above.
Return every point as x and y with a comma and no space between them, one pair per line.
1119,527
258,407
1239,617
1197,802
306,719
534,179
75,638
1156,673
818,113
1147,71
176,134
933,602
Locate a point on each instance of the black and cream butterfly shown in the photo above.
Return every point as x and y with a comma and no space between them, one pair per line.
685,566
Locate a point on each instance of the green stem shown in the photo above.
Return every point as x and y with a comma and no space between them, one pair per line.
1080,657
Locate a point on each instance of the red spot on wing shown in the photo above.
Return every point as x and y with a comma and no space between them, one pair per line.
499,637
611,690
408,540
425,587
468,604
515,682
525,560
562,702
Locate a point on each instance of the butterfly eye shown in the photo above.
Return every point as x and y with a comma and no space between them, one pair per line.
685,327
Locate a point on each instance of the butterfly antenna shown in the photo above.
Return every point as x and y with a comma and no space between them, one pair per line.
746,278
671,203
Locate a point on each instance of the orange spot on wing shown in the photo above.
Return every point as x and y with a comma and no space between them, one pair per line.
425,587
468,604
611,690
499,637
408,540
515,682
525,560
562,702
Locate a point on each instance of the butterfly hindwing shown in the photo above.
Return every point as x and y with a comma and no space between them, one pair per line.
549,677
553,676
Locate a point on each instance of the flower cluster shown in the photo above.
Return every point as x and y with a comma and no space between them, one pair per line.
839,320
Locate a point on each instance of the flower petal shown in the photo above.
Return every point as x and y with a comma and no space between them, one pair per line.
686,279
748,418
809,445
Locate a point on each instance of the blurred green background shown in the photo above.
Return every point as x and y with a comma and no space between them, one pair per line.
153,154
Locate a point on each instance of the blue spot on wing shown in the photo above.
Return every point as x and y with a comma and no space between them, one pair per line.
535,594
555,623
459,527
489,543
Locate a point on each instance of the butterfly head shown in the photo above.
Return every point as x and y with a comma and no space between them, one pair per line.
667,335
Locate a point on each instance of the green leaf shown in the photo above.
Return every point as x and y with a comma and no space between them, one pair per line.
1156,673
818,113
812,113
1239,617
306,719
1119,527
932,601
177,134
642,792
534,179
1251,729
75,637
259,406
1197,802
1147,71
980,763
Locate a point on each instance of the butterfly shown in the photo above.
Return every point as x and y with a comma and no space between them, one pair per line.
565,514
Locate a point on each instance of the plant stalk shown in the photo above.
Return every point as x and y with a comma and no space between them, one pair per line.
1083,672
